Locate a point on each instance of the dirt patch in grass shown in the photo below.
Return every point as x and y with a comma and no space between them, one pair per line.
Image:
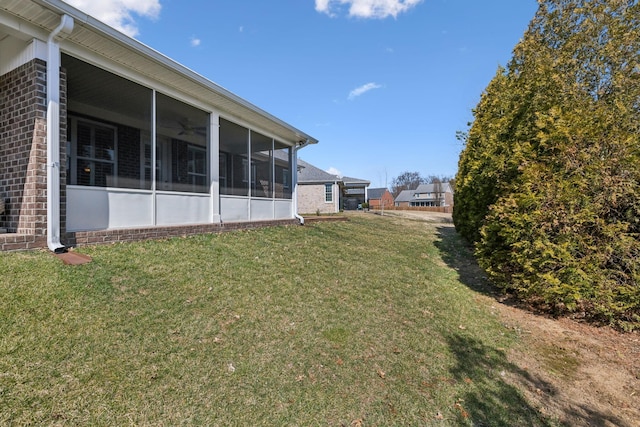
593,373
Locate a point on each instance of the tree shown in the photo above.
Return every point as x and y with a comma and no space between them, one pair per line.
406,181
548,181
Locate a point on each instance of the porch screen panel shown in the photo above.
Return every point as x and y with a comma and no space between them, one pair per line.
182,150
234,159
261,165
282,171
112,116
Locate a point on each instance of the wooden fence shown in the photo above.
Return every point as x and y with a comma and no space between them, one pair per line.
441,209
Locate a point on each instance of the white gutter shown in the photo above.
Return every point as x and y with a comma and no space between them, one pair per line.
295,180
53,133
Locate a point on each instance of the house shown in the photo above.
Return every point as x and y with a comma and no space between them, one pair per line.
427,195
379,198
354,192
104,139
323,192
318,191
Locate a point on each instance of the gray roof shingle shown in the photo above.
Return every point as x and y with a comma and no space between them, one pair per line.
311,174
376,193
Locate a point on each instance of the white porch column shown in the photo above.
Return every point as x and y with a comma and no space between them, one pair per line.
214,169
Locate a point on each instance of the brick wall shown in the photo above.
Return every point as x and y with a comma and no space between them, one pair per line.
153,233
23,148
386,200
311,199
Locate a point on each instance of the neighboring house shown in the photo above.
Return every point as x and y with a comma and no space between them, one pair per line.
318,191
322,192
104,139
379,198
354,192
427,195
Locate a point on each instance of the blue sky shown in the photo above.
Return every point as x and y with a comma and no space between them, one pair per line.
383,84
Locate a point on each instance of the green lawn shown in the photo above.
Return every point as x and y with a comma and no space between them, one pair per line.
377,321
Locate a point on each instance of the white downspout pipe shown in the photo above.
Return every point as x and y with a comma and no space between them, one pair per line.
294,167
53,134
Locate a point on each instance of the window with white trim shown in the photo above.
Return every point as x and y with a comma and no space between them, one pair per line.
197,166
93,157
328,193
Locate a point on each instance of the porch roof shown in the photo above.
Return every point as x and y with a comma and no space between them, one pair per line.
99,39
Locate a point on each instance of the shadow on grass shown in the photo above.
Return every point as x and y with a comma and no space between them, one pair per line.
457,254
477,363
489,399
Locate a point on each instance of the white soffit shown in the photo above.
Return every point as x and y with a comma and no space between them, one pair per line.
106,42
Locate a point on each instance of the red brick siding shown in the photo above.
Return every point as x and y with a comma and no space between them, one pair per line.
387,200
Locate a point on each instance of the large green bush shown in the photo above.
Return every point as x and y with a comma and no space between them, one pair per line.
547,186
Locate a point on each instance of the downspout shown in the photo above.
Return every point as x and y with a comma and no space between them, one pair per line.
295,180
53,134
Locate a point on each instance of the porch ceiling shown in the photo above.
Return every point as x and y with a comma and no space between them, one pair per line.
106,42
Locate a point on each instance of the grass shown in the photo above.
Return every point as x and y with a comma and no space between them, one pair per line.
376,321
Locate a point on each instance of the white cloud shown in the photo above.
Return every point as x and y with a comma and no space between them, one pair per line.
195,42
377,9
362,89
334,171
119,13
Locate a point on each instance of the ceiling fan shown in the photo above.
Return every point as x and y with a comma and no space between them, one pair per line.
183,127
187,129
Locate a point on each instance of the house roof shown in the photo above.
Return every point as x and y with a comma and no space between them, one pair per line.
405,196
309,174
376,193
355,182
94,39
409,195
432,188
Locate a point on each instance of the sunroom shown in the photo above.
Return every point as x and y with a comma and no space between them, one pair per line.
109,140
137,157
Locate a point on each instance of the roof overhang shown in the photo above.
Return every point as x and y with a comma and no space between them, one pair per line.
93,36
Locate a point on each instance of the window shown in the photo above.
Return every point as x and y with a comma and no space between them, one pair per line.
222,164
92,160
328,193
197,166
